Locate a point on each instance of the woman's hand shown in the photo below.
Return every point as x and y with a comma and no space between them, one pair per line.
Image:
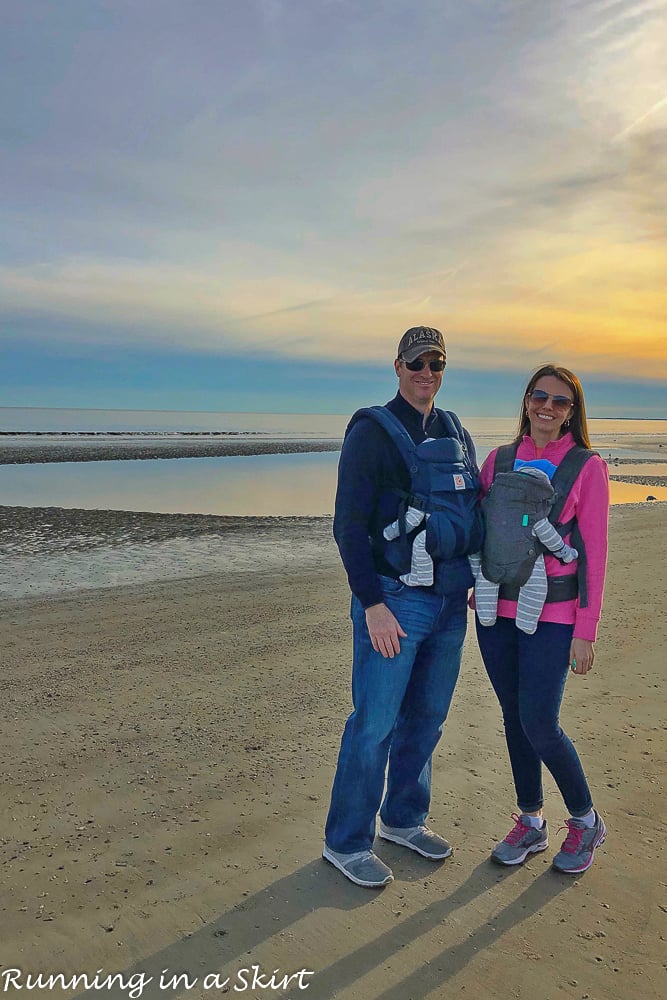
582,654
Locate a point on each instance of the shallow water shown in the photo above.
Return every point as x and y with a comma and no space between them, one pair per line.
272,485
634,492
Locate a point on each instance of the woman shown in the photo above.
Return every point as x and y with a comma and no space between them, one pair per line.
528,671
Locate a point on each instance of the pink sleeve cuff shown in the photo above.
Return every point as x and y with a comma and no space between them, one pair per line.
586,628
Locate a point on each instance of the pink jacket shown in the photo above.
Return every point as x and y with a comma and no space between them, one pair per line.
589,503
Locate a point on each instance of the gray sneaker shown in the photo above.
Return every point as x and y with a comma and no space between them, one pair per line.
419,839
578,848
363,868
521,841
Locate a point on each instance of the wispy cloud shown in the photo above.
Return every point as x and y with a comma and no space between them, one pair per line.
298,307
308,177
612,15
658,106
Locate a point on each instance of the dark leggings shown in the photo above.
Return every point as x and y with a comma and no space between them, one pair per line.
528,674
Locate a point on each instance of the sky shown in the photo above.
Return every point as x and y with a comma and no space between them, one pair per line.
214,205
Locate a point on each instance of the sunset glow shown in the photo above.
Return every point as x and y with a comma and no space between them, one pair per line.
310,179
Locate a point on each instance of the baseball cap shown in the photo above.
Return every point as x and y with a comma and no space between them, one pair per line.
419,339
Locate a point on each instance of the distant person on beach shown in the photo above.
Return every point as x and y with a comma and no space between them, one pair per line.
407,640
528,671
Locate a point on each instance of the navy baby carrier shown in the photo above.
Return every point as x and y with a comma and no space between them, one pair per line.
444,484
513,505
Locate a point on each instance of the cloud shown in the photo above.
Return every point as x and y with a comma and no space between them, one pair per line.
315,178
658,106
647,185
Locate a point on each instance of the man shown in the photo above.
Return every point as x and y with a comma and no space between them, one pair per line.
407,640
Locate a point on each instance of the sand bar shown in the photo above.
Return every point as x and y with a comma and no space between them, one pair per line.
19,451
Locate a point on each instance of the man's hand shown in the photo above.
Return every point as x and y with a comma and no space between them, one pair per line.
582,654
384,630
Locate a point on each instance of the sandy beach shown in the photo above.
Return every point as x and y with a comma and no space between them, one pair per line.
233,235
169,748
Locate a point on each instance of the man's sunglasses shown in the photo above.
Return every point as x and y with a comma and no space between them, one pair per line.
539,397
416,366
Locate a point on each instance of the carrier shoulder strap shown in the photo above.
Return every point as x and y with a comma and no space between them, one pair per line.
454,429
504,460
406,449
392,425
399,434
452,425
563,480
565,477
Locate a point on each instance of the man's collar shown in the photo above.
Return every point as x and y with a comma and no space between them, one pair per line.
409,414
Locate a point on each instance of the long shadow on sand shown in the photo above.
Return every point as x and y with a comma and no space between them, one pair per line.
442,967
241,929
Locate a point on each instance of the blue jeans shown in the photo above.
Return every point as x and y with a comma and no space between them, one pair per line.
400,706
528,674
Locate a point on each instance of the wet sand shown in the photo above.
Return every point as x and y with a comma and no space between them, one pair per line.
656,471
50,550
168,751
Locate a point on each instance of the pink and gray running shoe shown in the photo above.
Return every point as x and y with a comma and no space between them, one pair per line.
578,848
521,841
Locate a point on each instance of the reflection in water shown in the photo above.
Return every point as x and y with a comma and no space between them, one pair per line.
273,485
638,469
634,492
270,485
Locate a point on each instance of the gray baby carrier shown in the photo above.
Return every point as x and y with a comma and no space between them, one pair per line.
512,507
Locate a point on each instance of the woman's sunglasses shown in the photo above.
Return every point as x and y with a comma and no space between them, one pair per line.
539,396
416,366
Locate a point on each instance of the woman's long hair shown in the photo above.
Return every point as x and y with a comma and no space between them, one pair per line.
578,426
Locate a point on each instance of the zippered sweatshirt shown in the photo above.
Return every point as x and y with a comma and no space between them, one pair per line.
589,503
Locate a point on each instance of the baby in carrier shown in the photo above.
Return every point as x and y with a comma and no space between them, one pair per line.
510,555
444,497
515,514
421,569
